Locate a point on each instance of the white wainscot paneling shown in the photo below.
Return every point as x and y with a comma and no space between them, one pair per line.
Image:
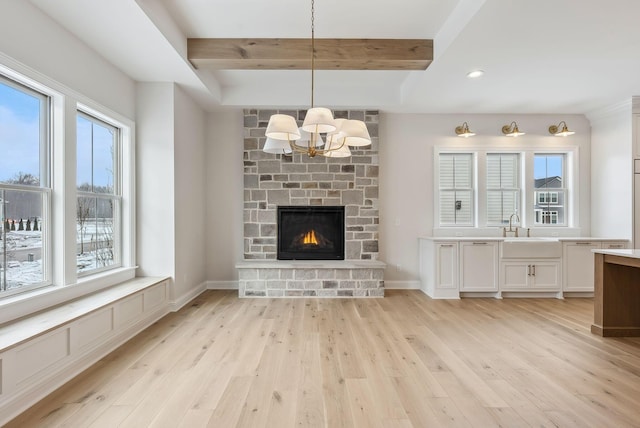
128,310
155,296
91,329
36,356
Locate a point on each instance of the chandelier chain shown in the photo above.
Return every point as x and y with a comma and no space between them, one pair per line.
313,49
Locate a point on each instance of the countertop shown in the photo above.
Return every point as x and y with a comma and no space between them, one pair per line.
502,238
632,254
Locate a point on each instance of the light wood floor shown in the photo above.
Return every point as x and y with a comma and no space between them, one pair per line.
401,361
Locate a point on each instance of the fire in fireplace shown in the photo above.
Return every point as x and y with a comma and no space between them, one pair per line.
311,233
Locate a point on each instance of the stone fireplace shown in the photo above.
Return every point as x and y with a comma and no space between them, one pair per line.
272,181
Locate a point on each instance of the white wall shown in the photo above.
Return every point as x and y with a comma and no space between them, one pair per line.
224,195
407,144
34,46
32,38
611,172
155,198
190,183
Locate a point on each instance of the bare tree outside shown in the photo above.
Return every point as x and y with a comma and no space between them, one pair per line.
83,214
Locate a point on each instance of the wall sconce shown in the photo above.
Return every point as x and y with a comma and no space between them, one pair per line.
560,132
512,130
463,131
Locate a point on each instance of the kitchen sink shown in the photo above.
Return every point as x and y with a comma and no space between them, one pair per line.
531,247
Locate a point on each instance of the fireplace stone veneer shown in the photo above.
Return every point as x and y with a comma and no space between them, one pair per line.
313,278
271,180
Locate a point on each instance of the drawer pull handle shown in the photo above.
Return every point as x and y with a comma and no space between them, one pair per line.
583,243
446,245
479,243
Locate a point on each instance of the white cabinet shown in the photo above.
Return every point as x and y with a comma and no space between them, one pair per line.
636,135
439,268
578,263
479,266
530,275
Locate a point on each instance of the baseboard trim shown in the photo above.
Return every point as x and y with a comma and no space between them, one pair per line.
222,285
179,303
401,285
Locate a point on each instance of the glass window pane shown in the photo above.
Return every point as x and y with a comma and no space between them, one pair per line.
548,171
83,156
105,234
95,233
95,155
21,129
20,239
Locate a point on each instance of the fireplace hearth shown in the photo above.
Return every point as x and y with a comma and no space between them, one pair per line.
310,233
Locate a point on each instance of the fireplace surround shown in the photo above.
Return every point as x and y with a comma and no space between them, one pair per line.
272,180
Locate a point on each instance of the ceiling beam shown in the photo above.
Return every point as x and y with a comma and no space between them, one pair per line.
295,54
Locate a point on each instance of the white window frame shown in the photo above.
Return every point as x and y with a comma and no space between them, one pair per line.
527,194
44,189
569,166
115,198
472,189
486,189
60,236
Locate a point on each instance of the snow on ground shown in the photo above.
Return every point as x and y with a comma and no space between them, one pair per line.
24,268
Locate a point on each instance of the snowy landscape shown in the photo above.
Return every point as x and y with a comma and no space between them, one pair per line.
23,251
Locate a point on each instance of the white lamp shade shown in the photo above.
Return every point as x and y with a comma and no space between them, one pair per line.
333,141
356,133
282,127
319,120
277,147
338,123
305,139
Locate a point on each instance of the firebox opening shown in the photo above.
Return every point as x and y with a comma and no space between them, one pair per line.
311,233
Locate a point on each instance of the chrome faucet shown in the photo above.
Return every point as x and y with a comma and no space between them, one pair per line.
515,232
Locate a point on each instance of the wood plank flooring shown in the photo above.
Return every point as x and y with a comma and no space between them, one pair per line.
402,361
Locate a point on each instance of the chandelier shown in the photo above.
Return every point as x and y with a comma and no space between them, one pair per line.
284,136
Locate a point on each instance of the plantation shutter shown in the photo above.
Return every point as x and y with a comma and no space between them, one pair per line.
456,189
503,190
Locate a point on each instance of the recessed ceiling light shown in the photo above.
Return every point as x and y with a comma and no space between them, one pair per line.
475,74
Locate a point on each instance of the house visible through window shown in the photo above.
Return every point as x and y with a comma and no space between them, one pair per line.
98,191
24,187
484,188
550,188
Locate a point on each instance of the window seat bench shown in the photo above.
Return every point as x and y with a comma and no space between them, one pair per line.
41,352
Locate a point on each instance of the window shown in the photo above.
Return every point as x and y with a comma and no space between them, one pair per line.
548,173
503,188
546,217
98,195
456,189
24,187
484,188
547,198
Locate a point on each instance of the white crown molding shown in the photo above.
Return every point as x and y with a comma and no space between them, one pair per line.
621,107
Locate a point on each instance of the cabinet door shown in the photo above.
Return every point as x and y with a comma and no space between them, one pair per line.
545,276
578,265
514,276
446,266
478,266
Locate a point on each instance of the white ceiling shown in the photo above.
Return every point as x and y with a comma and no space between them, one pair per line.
543,56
